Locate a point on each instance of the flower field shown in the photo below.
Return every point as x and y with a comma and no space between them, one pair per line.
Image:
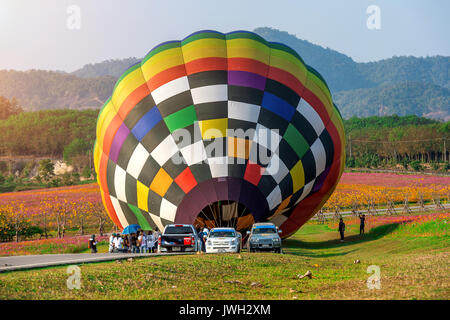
381,188
55,211
73,244
60,212
393,179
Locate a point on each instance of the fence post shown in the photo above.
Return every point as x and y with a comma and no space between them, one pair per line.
390,208
406,208
320,216
422,203
355,208
337,213
437,202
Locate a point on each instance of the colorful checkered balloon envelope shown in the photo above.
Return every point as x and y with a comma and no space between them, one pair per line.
218,130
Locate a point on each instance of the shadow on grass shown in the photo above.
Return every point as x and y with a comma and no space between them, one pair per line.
299,247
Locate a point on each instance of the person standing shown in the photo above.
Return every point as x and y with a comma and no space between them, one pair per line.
126,243
111,243
150,242
341,229
118,243
133,243
200,236
205,234
92,244
362,223
155,239
143,242
138,243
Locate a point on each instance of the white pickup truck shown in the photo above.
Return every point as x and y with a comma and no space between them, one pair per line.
223,240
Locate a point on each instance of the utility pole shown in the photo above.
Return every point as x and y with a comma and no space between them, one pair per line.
90,164
445,152
350,145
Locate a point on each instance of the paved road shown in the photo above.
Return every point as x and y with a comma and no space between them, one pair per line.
46,260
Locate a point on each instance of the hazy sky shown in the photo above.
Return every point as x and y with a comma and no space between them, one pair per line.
35,33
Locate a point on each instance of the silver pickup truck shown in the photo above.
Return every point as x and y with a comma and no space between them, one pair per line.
179,238
264,237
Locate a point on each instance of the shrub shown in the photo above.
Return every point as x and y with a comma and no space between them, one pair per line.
404,162
4,167
416,166
435,166
46,168
67,179
86,173
350,163
76,177
7,187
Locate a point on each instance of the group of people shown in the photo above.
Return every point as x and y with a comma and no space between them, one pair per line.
362,224
139,242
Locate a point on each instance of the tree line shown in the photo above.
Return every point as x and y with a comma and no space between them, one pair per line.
393,140
371,142
48,133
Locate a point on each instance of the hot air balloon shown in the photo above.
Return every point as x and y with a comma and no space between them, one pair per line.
218,130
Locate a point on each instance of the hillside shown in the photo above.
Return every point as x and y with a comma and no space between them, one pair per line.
342,73
402,98
397,69
113,68
399,85
339,70
39,90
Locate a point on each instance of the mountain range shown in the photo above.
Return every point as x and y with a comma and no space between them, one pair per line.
398,85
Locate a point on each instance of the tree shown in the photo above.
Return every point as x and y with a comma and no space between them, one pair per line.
8,107
77,147
46,168
86,173
14,220
98,211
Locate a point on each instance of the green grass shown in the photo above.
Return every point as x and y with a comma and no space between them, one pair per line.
429,229
413,260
